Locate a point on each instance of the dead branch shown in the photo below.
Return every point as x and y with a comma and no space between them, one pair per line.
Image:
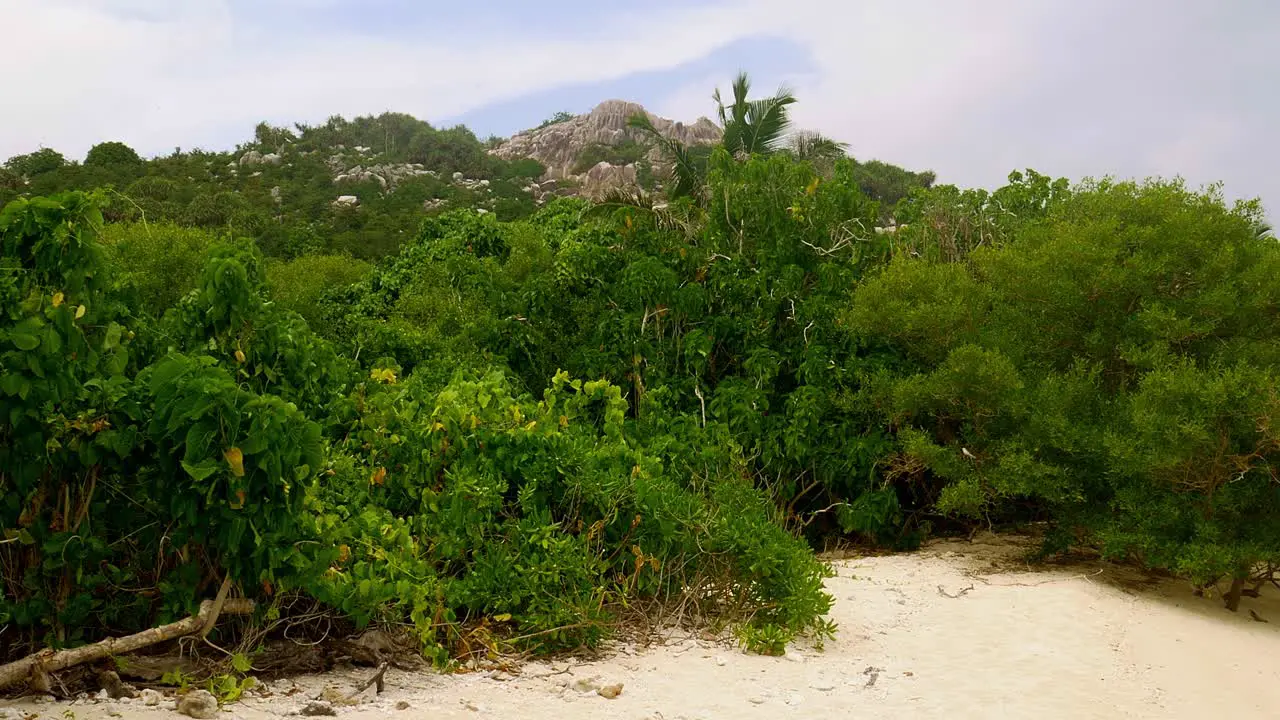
987,581
48,660
218,602
959,594
377,679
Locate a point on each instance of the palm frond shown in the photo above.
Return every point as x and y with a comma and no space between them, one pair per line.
685,177
640,203
810,145
768,122
741,89
753,126
617,198
684,171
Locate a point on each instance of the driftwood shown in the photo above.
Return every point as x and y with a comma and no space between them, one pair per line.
38,665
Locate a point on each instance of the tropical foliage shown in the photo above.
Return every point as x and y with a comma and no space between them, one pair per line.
508,432
287,203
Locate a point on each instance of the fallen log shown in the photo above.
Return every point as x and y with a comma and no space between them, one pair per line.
48,661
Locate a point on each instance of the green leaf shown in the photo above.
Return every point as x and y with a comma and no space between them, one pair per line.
200,471
112,338
24,341
254,444
12,383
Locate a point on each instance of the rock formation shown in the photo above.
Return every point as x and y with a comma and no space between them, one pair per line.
560,145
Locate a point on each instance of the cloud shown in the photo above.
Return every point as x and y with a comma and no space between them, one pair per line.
969,88
155,74
976,88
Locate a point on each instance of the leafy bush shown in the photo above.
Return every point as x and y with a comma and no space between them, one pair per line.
40,162
158,262
544,514
112,155
298,284
556,118
1112,364
229,441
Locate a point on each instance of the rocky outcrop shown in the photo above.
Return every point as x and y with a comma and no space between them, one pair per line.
387,175
559,146
603,177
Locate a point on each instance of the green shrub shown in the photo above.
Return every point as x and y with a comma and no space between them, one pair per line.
544,514
160,262
236,444
298,284
1111,363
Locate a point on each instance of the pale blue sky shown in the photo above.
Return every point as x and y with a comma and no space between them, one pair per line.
969,88
786,59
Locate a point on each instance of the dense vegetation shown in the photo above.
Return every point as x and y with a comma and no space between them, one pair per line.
285,201
519,428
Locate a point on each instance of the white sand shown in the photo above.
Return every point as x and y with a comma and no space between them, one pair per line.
1084,641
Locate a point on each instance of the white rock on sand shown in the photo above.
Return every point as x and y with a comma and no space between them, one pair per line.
958,630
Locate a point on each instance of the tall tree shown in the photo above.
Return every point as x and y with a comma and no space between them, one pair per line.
750,127
754,127
112,155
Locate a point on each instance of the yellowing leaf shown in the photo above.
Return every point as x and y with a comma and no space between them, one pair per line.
383,375
564,421
502,617
239,502
79,312
240,356
533,424
57,299
379,476
344,553
235,459
813,187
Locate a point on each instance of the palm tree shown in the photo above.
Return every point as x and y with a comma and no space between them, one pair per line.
753,127
814,147
749,127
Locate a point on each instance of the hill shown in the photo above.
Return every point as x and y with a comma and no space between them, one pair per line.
356,186
599,150
361,187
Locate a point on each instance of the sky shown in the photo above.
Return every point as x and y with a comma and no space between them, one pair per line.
971,89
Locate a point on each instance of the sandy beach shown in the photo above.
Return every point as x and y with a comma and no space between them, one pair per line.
957,630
